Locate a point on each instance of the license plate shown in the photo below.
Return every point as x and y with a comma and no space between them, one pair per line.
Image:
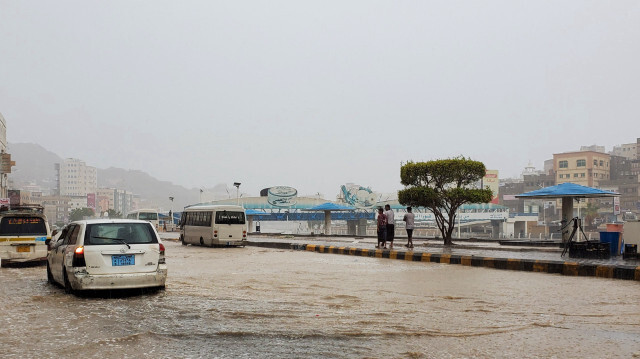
24,249
123,260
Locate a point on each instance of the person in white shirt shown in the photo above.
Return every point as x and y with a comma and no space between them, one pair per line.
391,228
409,220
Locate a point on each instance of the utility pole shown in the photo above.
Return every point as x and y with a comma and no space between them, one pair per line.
237,185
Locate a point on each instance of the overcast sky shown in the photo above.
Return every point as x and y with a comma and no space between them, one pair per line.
313,94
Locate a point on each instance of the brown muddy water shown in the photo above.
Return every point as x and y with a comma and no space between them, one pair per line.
264,303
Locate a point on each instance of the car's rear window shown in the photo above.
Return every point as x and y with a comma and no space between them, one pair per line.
229,217
116,233
22,226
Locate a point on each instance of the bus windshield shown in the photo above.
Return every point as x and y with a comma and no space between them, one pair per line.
22,226
229,217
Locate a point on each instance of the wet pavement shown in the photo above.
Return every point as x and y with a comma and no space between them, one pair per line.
256,302
463,248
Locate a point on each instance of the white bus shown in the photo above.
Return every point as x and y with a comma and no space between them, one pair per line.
213,225
149,215
24,232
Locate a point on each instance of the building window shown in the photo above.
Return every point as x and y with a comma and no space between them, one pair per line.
582,175
575,175
581,163
595,162
563,164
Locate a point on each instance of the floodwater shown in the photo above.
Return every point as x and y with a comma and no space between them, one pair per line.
265,303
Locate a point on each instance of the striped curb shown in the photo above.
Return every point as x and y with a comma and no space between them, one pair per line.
626,272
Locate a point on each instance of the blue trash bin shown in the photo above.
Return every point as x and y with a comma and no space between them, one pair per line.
612,238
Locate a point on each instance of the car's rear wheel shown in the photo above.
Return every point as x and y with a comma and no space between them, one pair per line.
201,241
182,240
49,275
67,285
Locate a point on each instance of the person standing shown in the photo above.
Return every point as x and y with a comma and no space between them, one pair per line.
382,229
409,218
391,227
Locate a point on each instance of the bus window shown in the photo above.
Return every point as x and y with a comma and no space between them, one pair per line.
229,217
22,226
148,216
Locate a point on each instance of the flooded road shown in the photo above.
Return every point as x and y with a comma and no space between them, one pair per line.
264,303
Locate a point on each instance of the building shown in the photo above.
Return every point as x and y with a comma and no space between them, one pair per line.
625,179
118,200
592,148
5,159
587,168
627,150
75,178
56,208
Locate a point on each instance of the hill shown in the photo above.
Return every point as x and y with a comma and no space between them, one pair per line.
35,165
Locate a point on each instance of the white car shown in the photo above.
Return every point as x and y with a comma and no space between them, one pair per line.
107,254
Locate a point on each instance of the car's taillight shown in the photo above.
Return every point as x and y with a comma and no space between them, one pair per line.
215,233
244,234
78,257
161,260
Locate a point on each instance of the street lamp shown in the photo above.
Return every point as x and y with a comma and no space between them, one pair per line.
171,212
237,185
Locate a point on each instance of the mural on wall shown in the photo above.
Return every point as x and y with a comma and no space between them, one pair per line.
492,181
282,196
358,196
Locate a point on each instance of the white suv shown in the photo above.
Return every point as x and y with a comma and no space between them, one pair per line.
107,254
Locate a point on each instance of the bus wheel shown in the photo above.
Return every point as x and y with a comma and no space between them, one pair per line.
201,241
182,240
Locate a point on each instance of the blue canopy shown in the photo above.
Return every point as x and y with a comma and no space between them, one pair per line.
328,206
567,190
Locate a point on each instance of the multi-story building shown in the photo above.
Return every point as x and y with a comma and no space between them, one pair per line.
629,151
625,179
117,199
5,159
592,148
586,168
75,178
56,208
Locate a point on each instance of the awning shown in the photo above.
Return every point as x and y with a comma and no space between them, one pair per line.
567,190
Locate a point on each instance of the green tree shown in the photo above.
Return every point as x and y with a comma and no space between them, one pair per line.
80,213
590,213
443,186
113,213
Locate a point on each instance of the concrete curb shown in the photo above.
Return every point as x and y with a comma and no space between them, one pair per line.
527,265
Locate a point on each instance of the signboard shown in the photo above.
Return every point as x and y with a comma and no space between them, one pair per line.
480,216
492,181
358,196
282,196
4,202
616,205
6,163
14,197
91,200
